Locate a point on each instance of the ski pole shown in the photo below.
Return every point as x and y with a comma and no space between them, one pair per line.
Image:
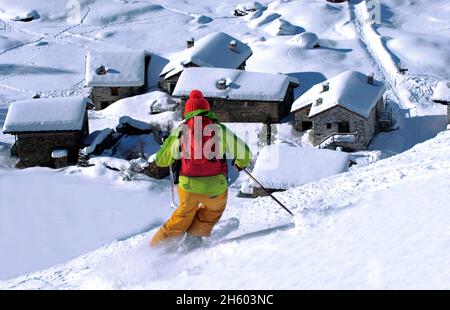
267,192
172,188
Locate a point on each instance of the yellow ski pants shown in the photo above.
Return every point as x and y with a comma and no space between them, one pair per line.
197,214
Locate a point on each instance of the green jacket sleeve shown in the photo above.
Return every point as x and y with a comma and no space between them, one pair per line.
236,148
170,150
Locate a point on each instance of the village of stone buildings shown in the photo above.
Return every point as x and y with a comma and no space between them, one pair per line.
339,115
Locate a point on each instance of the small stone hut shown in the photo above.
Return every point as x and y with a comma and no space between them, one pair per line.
442,95
281,166
216,49
49,132
345,111
116,75
238,95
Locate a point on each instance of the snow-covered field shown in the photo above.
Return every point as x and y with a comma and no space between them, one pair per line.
383,224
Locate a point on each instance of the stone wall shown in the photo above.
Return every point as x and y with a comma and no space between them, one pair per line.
243,111
35,149
301,116
366,128
104,96
169,84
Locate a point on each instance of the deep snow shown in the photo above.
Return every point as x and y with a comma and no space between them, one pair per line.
384,226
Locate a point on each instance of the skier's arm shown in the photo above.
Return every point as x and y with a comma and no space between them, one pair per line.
169,151
236,148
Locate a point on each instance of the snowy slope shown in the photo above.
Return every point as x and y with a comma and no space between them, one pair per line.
65,214
383,226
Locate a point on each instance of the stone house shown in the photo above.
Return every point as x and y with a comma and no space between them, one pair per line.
116,75
240,96
442,95
345,111
49,132
216,49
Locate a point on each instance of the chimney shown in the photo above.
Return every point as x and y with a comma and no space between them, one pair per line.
325,87
370,79
190,42
233,45
319,101
101,70
221,84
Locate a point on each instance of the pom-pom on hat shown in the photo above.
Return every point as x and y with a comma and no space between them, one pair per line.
196,101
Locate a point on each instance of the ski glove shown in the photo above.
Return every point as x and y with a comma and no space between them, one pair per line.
236,166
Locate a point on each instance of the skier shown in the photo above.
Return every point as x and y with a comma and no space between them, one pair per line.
198,148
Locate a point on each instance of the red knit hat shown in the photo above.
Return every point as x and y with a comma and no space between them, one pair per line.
196,101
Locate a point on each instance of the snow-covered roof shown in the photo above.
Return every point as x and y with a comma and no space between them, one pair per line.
349,90
210,51
281,166
47,114
240,84
125,68
442,92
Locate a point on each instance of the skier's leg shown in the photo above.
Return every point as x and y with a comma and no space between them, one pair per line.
181,218
208,214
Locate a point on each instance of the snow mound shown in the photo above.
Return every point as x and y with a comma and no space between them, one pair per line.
139,107
263,20
281,27
305,40
442,92
280,166
202,19
105,34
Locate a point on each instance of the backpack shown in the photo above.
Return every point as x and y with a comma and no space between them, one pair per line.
201,166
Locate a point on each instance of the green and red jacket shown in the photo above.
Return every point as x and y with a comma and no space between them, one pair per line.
229,144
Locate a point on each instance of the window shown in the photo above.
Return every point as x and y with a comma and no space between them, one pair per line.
328,125
343,127
306,125
114,91
172,87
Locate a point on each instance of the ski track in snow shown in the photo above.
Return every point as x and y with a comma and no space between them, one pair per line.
409,96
